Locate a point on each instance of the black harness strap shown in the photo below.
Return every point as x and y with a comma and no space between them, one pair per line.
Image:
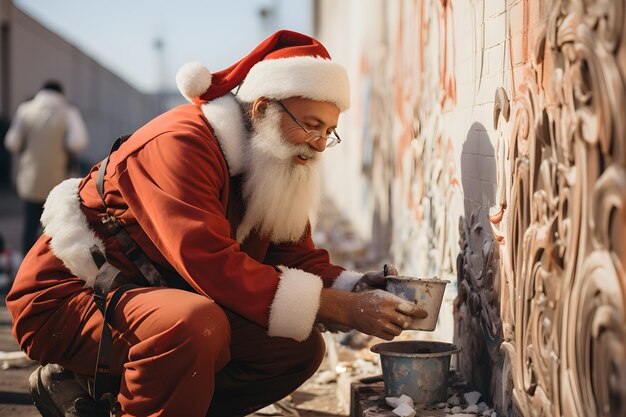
103,167
134,252
108,278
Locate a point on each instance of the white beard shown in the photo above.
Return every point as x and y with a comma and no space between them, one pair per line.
281,196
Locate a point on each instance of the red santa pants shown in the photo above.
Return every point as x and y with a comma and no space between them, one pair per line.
178,353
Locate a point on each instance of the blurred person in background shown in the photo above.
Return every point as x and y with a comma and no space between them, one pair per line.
10,260
46,133
193,241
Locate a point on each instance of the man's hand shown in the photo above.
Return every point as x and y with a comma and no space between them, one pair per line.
382,314
374,280
368,308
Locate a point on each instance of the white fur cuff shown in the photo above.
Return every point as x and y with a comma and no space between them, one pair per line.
347,280
295,305
71,238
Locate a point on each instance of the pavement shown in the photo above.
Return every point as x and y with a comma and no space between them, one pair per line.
14,398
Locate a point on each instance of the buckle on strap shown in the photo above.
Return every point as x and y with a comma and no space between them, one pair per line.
112,224
134,252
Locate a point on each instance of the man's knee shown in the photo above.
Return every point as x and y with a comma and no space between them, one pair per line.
200,329
190,330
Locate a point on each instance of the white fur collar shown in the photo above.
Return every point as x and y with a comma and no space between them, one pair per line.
226,117
70,234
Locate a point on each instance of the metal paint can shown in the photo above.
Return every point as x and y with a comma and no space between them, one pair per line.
427,293
416,368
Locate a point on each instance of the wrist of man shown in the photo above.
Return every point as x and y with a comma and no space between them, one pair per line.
335,307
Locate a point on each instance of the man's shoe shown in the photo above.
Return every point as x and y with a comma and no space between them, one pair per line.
57,393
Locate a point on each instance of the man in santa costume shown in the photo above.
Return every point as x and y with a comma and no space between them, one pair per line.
215,200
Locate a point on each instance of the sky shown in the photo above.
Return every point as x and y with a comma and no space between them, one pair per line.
121,34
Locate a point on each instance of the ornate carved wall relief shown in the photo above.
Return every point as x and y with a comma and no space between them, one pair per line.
563,233
478,328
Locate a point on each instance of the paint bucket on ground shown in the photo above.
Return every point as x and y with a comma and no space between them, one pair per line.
427,293
416,368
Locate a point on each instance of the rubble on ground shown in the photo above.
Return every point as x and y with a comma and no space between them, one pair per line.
16,359
370,402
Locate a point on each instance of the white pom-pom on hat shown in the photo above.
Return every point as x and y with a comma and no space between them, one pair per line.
193,79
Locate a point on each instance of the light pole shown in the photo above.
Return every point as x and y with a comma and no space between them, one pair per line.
268,14
159,46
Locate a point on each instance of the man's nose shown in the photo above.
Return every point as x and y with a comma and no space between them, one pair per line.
319,144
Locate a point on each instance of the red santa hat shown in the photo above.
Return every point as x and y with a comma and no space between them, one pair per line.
287,64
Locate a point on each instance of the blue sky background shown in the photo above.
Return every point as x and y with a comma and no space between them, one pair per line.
120,34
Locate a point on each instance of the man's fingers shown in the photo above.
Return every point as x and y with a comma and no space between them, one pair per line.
406,307
412,310
394,331
374,279
390,270
400,320
420,313
387,335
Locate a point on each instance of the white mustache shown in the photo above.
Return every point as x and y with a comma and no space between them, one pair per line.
304,150
270,140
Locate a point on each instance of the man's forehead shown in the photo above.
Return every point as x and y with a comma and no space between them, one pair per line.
313,108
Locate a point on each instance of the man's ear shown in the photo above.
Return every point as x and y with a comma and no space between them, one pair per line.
259,106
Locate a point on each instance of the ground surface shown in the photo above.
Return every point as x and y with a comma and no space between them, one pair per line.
14,398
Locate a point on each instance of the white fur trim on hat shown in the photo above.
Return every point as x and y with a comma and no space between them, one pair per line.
295,305
193,79
347,280
226,117
303,76
70,235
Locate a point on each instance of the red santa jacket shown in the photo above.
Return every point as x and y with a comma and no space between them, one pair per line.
175,186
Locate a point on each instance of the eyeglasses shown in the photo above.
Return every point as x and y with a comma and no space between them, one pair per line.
332,138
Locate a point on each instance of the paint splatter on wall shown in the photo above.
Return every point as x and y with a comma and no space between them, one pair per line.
405,91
